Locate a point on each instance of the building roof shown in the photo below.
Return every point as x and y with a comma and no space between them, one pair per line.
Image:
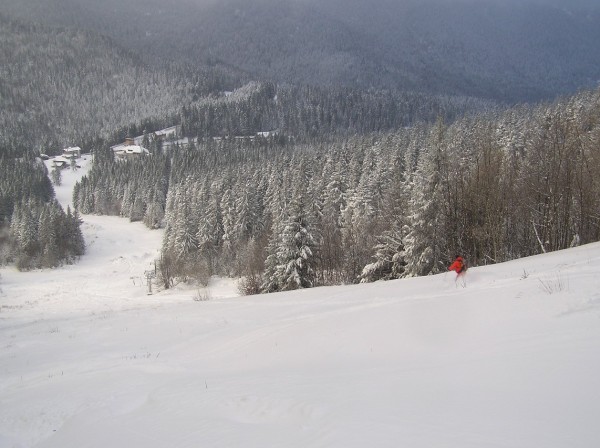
167,131
130,149
140,138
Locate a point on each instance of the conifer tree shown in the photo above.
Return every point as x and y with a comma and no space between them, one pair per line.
76,240
389,260
272,277
184,235
425,239
297,251
56,174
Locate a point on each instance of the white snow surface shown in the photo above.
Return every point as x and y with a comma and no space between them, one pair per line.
88,359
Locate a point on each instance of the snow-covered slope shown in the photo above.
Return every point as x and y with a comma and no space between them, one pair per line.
87,359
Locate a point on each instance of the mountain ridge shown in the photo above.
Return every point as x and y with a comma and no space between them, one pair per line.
510,52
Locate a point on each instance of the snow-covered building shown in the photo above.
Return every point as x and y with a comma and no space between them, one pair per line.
163,134
75,152
166,136
267,134
130,148
126,152
60,162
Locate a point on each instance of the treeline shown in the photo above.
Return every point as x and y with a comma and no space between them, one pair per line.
391,205
308,112
35,232
387,205
44,235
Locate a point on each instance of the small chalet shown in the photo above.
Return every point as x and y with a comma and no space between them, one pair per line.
129,150
132,146
72,153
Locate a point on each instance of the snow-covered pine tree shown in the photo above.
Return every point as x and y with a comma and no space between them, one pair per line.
297,250
47,236
273,268
76,240
210,232
333,201
28,229
185,243
56,175
247,214
136,212
424,241
155,212
389,259
229,229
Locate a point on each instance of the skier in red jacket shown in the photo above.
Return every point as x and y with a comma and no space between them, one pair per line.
459,266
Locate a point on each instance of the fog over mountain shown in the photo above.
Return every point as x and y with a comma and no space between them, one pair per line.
506,50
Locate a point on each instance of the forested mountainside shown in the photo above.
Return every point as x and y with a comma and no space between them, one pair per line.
386,205
355,181
60,86
308,112
512,51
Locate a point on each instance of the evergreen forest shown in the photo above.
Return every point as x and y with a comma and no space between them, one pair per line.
35,232
288,215
319,142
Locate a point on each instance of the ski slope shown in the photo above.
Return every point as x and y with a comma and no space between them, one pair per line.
88,359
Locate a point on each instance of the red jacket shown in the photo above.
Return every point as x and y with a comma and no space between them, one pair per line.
458,265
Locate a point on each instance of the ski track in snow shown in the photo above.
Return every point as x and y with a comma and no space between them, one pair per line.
87,358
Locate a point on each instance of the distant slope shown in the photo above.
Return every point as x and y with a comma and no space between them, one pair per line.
505,50
508,50
59,86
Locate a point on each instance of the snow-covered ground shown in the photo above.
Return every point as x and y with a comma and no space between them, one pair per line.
88,359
